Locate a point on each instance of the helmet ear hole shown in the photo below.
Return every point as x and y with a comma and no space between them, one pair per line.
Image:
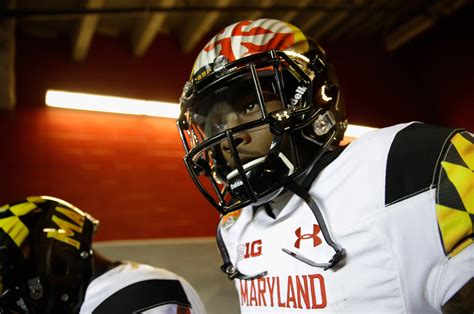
59,268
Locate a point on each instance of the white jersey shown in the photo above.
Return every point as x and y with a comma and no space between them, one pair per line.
399,200
137,288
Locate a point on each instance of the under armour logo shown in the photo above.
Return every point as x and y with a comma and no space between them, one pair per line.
316,240
282,115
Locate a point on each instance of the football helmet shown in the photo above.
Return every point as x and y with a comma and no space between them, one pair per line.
45,256
261,106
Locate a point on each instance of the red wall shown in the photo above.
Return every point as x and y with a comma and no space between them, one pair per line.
128,170
125,170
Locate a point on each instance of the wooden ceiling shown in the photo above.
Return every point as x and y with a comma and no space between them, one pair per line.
394,22
190,21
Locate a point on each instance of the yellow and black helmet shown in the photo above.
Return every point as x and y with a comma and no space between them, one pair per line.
45,255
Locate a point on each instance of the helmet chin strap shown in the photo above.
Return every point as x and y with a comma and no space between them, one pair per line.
230,269
301,191
273,157
310,201
273,160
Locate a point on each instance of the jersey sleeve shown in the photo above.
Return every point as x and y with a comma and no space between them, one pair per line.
196,303
455,216
439,161
137,288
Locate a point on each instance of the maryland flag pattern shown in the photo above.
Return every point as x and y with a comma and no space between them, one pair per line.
14,228
12,218
455,194
248,37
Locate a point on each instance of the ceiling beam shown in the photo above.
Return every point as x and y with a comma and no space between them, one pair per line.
85,31
199,26
318,16
420,23
73,13
7,61
330,23
291,14
259,13
349,25
334,20
146,29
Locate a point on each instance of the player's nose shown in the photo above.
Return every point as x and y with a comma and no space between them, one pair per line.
240,141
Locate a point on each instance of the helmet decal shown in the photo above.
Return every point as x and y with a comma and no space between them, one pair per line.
66,229
248,37
11,223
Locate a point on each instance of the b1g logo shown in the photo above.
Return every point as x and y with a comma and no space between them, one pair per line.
249,249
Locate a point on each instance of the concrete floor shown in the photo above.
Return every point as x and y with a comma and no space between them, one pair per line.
196,259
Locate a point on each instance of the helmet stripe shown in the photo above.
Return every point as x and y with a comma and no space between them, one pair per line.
22,208
15,229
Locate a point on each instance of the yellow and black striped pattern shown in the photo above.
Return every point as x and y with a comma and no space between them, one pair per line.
10,218
455,198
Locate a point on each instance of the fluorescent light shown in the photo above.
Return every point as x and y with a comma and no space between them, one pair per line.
82,101
70,100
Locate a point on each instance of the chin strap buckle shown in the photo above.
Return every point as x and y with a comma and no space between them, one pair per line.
233,273
336,259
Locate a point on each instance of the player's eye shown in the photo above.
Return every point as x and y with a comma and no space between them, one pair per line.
219,126
250,109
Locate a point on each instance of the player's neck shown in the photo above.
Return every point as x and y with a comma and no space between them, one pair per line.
279,202
101,264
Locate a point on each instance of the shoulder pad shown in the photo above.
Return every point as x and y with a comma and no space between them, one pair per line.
413,160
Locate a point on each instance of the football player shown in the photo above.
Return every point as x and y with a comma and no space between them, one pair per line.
47,265
383,224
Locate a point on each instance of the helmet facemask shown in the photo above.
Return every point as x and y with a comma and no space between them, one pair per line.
240,123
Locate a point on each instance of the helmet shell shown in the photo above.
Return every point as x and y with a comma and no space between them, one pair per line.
248,37
46,255
257,63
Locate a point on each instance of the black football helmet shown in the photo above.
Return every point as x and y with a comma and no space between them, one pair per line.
261,106
45,256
